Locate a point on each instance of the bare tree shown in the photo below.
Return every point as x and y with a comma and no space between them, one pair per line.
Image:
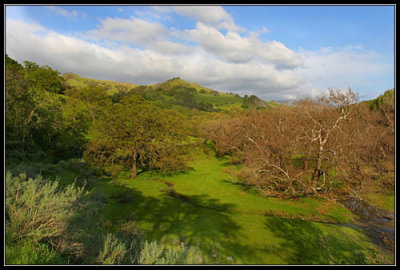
322,122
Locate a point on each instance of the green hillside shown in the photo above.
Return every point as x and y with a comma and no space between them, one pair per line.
175,92
111,87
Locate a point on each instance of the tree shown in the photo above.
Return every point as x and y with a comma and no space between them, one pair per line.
139,133
263,142
322,121
44,77
95,99
18,102
287,149
35,119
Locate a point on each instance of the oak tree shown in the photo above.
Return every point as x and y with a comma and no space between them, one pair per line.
138,133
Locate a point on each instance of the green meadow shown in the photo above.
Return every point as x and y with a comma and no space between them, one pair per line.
229,222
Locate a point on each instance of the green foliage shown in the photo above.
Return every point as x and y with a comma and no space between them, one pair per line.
154,253
44,78
254,102
34,112
45,224
113,251
29,252
31,169
95,99
387,99
137,132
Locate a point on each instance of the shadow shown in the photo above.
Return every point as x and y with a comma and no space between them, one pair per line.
305,243
198,220
87,230
243,187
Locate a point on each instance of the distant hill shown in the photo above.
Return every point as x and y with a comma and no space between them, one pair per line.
174,92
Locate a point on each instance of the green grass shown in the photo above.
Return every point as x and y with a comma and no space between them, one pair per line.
383,201
226,219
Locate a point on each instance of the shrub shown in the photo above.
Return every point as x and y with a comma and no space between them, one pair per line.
154,253
113,251
36,209
28,252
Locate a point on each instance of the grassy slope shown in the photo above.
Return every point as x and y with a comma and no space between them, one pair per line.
226,220
113,86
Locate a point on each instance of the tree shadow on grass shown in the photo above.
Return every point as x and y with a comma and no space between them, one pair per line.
199,220
305,243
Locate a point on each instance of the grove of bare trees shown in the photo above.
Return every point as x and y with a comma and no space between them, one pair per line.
315,146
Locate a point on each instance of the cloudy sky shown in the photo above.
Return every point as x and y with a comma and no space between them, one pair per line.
274,52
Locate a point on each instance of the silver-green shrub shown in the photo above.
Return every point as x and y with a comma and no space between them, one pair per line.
36,209
113,251
154,253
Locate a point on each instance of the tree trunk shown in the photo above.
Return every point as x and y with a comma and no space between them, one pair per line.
317,171
134,164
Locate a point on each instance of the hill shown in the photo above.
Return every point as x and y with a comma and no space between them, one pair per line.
175,92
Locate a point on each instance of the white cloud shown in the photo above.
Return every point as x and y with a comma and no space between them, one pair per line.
70,54
65,13
346,67
210,15
229,63
135,30
234,48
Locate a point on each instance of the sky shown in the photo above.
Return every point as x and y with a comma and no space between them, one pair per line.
281,52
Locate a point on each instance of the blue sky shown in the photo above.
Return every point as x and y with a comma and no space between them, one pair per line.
275,52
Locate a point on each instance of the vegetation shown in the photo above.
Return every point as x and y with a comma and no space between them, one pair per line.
101,172
137,132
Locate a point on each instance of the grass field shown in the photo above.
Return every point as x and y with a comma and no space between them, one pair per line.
228,221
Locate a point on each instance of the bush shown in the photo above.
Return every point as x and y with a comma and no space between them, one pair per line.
36,209
31,169
28,252
154,253
113,251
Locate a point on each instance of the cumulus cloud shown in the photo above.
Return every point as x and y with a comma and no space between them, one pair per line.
134,30
210,15
142,66
225,62
237,49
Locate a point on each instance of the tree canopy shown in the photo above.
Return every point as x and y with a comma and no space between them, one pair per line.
138,133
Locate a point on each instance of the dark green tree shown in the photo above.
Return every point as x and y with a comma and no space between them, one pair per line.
35,119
